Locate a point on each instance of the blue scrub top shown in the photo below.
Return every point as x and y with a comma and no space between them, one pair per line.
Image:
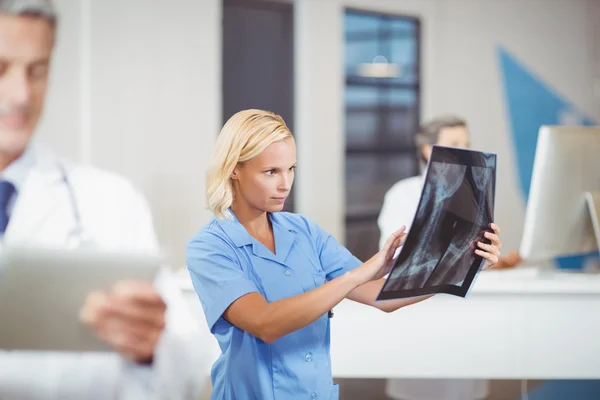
225,263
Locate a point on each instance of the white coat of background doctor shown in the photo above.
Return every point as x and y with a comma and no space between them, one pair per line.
399,207
46,201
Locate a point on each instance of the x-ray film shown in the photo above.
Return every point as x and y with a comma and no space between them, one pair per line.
455,209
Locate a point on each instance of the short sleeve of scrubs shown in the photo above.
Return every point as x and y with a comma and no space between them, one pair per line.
335,259
216,275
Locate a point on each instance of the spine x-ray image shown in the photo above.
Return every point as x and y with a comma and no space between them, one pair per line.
456,207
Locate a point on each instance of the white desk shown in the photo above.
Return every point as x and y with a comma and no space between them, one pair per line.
514,324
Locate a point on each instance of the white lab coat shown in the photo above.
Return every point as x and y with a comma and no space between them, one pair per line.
399,207
114,216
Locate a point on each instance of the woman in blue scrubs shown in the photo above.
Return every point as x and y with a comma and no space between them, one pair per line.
267,279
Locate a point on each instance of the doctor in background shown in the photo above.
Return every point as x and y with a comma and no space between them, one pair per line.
49,202
399,207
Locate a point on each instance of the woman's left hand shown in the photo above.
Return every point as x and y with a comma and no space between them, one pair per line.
490,252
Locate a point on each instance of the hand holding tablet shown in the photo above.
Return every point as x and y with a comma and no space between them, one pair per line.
43,293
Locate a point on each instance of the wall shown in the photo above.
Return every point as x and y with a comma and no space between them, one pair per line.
61,124
551,39
137,89
594,15
461,74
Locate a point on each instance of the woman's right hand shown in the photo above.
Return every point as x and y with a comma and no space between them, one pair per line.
380,264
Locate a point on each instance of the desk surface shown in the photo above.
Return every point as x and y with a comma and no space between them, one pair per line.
521,323
532,280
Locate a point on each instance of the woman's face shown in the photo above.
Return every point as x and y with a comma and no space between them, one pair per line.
264,182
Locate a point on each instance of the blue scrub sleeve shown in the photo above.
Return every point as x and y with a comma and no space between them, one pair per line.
335,259
217,276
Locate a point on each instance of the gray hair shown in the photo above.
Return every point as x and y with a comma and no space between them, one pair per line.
34,8
429,132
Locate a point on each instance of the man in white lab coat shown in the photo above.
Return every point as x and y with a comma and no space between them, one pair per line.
45,201
399,207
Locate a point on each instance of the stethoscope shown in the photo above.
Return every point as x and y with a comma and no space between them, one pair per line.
77,237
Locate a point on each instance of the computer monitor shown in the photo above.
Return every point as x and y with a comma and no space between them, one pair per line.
564,197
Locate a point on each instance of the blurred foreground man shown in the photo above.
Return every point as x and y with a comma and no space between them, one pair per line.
45,201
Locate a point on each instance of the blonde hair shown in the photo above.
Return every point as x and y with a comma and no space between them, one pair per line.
244,136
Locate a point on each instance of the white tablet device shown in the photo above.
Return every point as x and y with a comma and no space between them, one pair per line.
42,292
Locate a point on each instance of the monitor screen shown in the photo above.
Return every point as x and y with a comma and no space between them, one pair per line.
559,221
